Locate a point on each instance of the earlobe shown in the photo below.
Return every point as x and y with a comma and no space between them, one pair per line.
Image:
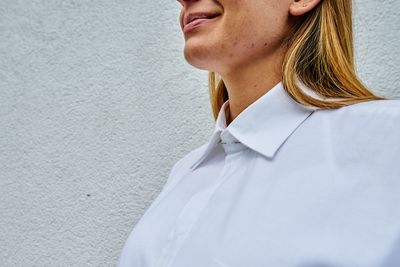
300,7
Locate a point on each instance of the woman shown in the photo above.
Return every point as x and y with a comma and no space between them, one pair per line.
302,168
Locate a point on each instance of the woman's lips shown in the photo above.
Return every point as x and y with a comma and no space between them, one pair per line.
196,23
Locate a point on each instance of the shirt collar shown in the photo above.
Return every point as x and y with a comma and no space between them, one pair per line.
263,126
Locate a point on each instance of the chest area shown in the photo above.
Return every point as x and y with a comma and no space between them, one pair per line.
245,215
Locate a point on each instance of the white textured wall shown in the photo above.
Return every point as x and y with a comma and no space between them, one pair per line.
97,103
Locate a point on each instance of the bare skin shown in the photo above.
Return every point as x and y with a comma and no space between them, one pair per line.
243,43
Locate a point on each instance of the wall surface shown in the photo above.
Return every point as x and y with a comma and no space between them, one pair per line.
96,105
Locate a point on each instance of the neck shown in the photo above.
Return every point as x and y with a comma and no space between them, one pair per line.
248,82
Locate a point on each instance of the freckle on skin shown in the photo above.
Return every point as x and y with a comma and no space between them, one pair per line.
222,46
231,55
252,44
265,44
235,43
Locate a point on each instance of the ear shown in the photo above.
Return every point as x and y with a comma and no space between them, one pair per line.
300,7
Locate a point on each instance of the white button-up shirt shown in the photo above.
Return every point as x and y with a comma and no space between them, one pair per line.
282,186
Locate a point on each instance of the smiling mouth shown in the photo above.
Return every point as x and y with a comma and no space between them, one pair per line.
195,20
200,15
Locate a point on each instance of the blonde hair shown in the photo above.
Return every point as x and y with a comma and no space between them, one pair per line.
320,54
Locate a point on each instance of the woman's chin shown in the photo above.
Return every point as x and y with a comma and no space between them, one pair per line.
201,64
200,57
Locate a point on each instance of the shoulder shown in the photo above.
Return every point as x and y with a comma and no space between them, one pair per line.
381,107
372,127
375,113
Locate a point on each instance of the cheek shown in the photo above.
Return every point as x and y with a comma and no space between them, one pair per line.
245,36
